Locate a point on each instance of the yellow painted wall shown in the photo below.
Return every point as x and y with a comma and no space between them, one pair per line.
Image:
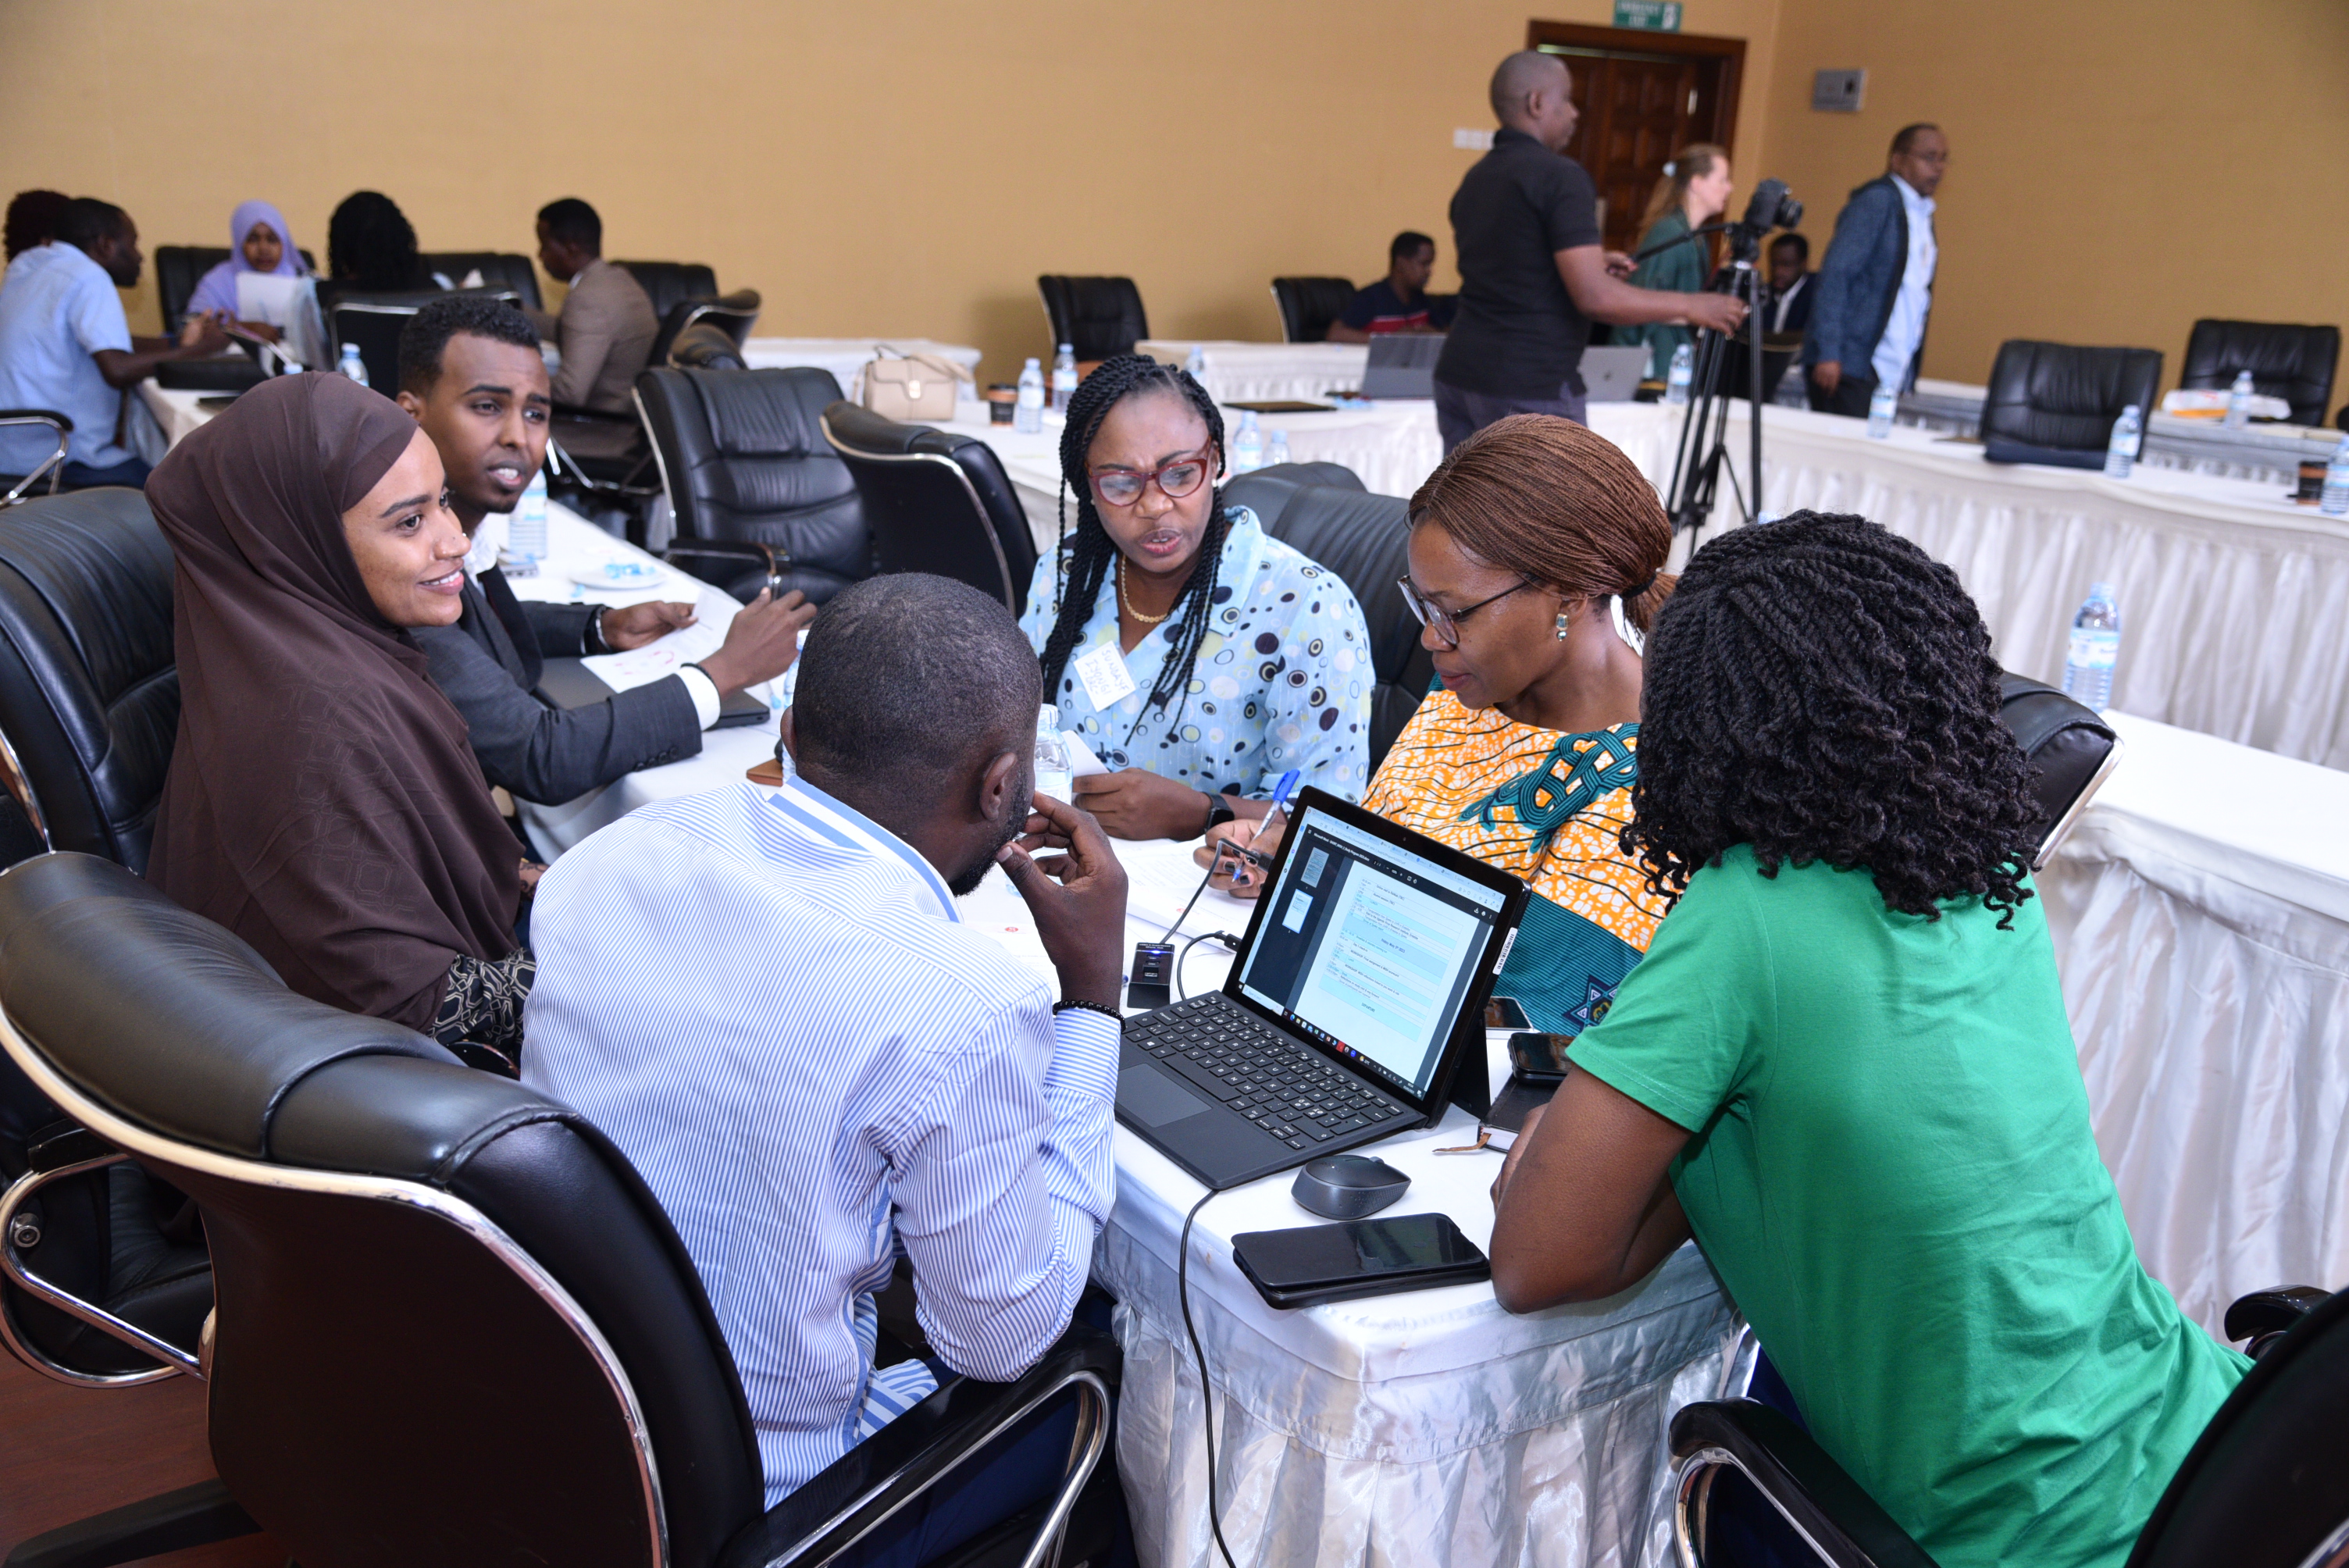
2119,167
904,168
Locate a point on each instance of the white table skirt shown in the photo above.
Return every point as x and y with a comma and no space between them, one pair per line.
2200,915
846,358
2230,596
1266,372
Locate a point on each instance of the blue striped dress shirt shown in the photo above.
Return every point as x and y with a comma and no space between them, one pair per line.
767,1000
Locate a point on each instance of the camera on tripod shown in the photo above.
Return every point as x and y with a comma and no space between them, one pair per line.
1730,365
1772,206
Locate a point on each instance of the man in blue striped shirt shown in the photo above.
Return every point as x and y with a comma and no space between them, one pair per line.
765,997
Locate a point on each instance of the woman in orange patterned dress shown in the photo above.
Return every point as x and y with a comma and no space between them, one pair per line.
1536,551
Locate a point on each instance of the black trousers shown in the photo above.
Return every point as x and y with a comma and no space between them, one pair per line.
1849,398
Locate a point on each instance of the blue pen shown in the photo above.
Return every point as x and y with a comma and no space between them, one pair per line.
1280,793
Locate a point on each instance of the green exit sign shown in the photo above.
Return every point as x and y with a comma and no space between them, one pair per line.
1655,16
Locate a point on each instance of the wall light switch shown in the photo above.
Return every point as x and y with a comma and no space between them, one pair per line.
1838,92
1474,141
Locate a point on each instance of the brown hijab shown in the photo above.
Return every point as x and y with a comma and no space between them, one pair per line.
322,802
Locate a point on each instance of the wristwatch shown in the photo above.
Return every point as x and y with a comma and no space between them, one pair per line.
594,639
1219,811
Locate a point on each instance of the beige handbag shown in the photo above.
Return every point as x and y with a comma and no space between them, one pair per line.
911,386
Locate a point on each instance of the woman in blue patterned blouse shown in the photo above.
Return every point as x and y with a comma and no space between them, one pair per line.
1199,657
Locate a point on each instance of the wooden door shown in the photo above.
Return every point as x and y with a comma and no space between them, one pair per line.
1642,96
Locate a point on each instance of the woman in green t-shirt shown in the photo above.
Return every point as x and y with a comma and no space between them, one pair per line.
1844,1066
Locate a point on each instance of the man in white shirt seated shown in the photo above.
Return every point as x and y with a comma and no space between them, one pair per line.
66,347
766,998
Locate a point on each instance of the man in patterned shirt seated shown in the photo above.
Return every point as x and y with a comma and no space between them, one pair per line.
764,995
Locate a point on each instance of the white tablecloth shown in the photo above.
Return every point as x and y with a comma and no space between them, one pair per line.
2200,914
1266,372
175,412
846,358
2230,597
2267,452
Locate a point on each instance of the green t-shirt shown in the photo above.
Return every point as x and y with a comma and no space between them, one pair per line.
1893,1171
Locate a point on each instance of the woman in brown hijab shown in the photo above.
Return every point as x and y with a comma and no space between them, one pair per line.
322,801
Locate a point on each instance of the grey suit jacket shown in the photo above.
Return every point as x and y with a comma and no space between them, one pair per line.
489,663
605,332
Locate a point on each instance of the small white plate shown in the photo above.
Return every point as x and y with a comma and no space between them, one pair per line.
620,576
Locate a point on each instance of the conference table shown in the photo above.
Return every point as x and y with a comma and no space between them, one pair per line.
846,358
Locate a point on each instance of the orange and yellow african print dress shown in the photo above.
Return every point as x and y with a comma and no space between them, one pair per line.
1545,806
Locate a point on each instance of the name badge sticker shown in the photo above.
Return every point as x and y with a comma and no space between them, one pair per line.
1106,679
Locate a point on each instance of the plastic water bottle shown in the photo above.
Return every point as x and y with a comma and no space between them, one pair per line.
2335,499
1029,418
527,536
1064,378
1276,450
1684,371
1247,447
1883,406
2239,402
353,365
1195,366
2120,453
2095,649
1052,757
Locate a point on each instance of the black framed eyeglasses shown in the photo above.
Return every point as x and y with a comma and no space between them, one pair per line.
1443,623
1176,478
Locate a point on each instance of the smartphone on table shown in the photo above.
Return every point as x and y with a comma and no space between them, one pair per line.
1311,1263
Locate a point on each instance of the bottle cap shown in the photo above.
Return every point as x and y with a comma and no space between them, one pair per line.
1049,717
1069,348
1034,364
2104,591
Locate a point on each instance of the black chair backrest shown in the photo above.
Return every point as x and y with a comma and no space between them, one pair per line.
502,272
1362,538
938,501
2054,395
743,457
2264,1486
2293,363
1096,316
415,1262
670,284
706,345
90,696
733,315
373,322
180,268
1308,307
2071,746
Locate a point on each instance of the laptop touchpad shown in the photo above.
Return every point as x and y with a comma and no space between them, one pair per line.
1153,1099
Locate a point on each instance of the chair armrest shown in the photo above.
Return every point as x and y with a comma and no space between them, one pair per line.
1844,1526
54,465
872,1480
196,1515
2260,1317
61,1144
747,555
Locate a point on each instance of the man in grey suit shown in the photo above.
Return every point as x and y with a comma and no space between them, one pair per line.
471,375
608,326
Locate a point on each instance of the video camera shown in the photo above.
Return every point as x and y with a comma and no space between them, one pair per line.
1772,206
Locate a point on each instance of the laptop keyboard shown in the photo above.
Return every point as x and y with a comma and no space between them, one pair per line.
1293,1093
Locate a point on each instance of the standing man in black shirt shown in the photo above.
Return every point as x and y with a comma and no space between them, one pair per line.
1533,277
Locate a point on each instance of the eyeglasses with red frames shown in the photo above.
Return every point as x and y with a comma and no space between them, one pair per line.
1176,478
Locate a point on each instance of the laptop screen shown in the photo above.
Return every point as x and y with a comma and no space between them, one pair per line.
1369,949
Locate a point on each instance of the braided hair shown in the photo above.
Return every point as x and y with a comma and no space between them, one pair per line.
1080,564
1821,689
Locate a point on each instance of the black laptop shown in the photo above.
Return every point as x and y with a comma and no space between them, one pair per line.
568,683
1356,999
1403,365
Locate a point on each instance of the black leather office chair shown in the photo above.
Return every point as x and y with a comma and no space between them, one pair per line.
670,284
734,314
2293,363
937,500
51,468
706,345
180,268
502,271
1322,511
2073,750
1097,317
453,1324
2054,403
2264,1486
743,458
373,322
90,697
1308,307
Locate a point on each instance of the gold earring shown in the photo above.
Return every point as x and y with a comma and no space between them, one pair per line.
1561,626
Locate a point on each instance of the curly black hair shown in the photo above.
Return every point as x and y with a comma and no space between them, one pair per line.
1821,689
1079,565
371,245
